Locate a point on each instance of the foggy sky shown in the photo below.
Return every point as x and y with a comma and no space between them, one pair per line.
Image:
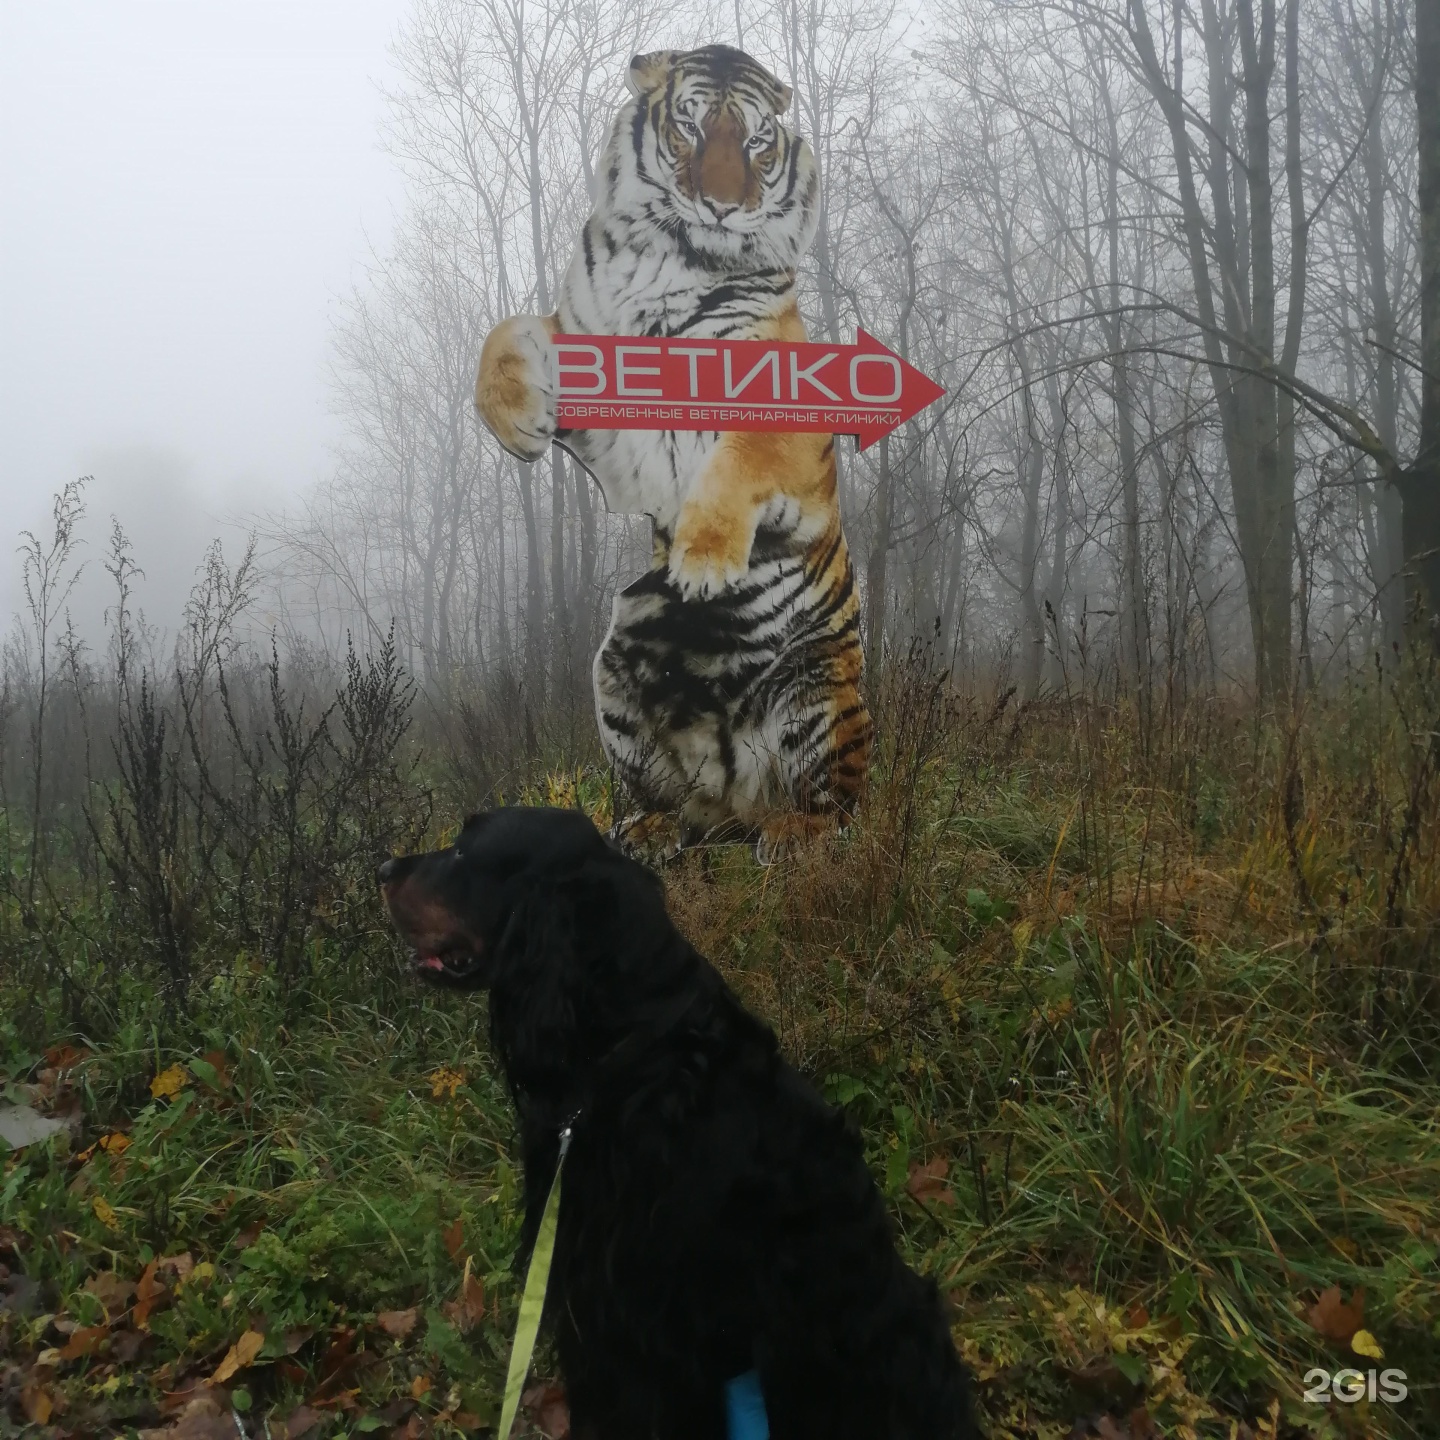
185,187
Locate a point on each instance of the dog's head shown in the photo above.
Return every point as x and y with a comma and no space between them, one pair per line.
569,935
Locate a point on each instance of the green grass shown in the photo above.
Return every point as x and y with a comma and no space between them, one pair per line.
1167,1091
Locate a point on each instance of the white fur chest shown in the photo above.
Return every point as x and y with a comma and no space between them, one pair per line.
647,288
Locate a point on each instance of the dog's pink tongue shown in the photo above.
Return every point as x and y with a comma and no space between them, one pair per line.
431,962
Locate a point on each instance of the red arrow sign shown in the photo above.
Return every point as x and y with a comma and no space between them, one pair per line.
631,382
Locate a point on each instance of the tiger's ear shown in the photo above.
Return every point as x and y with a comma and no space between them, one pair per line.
783,96
648,72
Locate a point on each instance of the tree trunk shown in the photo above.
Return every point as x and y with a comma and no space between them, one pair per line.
1060,535
1134,618
559,610
534,591
875,578
1032,469
583,611
1262,488
1389,554
1421,483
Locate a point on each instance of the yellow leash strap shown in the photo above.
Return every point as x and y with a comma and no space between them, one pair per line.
533,1300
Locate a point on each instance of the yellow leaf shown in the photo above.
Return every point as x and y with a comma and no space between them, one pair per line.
204,1271
169,1083
445,1079
1021,935
238,1356
420,1386
38,1404
105,1213
116,1144
1364,1343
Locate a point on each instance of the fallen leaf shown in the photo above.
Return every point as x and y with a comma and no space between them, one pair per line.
238,1356
148,1293
1336,1320
412,1429
169,1083
205,1417
37,1404
1138,1318
301,1421
1142,1427
420,1387
173,1401
1362,1342
116,1143
181,1266
217,1060
64,1057
1346,1246
105,1213
111,1291
298,1338
245,1238
397,1323
469,1310
454,1238
927,1182
445,1079
10,1241
337,1365
1107,1429
84,1341
125,1345
546,1404
20,1125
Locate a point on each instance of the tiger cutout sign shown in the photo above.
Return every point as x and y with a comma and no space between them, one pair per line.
727,689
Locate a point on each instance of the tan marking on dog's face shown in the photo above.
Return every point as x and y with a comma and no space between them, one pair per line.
423,921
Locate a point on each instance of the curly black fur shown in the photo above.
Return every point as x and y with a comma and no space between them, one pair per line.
717,1214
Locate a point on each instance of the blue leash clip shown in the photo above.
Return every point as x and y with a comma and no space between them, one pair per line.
745,1417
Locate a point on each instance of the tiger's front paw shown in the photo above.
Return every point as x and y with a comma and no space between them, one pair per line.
515,389
703,566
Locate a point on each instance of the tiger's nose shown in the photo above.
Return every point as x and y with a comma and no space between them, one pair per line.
385,873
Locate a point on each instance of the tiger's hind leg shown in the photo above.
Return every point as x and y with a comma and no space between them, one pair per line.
788,831
653,835
663,727
822,758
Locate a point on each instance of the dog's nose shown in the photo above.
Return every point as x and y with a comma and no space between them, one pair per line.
385,873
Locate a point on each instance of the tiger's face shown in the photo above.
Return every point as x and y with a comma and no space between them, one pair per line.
701,146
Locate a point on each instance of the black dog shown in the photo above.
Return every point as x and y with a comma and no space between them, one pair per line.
716,1214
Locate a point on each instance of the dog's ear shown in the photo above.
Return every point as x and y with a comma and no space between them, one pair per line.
536,992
